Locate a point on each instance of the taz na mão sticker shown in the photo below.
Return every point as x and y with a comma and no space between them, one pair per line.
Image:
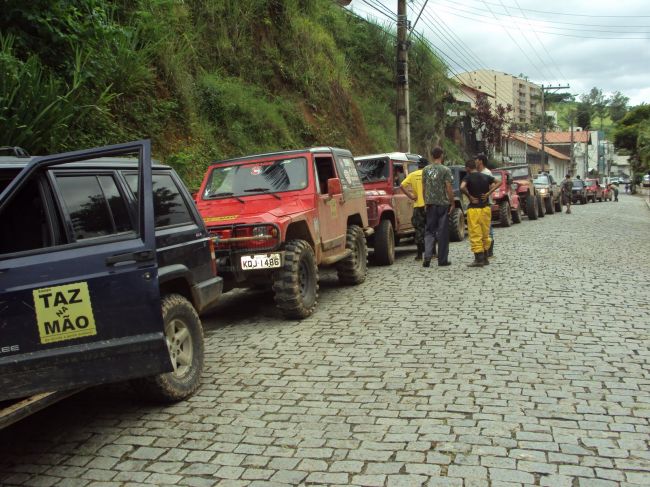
64,312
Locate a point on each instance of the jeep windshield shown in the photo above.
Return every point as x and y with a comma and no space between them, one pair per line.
372,170
519,172
590,184
578,185
541,180
257,178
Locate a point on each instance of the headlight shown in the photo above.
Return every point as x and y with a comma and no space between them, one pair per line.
543,191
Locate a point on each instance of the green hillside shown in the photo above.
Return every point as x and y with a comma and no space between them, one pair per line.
206,79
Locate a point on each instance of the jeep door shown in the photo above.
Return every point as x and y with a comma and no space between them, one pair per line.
78,276
402,203
332,221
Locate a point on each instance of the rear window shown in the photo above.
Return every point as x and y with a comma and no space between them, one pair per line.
373,170
168,205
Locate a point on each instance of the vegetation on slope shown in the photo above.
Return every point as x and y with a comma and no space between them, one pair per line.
206,79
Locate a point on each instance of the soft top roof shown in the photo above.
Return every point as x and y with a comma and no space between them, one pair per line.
397,156
312,150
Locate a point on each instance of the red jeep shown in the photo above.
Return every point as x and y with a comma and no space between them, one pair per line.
529,198
505,208
389,209
277,217
594,191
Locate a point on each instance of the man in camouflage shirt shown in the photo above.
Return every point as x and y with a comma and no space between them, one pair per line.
438,200
567,188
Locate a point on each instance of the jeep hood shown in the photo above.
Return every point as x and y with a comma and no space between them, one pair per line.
258,208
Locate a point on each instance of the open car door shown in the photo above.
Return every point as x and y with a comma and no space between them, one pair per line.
78,307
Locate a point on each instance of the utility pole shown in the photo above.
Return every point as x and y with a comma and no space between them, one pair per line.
403,116
571,149
544,88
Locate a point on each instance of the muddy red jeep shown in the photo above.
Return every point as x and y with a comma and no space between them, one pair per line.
277,217
506,209
529,199
594,191
389,209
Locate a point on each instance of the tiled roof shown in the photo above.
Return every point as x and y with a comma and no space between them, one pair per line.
537,144
563,137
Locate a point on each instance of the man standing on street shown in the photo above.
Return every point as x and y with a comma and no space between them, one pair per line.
478,187
412,187
567,188
481,166
438,200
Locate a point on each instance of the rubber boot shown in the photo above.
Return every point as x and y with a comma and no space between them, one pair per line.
490,252
486,261
479,260
418,256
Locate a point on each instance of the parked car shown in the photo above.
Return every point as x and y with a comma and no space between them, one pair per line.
594,192
646,180
529,198
277,217
506,207
549,192
389,209
578,192
608,192
105,265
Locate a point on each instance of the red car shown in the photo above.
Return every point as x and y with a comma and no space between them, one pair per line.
505,208
594,191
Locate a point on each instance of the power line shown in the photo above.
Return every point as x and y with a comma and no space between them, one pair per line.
582,15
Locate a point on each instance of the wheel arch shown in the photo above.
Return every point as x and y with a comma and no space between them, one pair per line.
300,230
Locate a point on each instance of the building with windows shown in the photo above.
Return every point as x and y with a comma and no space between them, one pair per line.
524,97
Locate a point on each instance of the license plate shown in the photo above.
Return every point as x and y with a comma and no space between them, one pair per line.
260,261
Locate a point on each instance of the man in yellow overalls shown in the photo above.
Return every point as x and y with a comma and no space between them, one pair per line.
478,187
412,187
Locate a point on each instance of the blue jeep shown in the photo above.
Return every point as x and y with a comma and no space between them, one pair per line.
105,265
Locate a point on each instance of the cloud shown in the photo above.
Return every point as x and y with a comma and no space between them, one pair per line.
561,51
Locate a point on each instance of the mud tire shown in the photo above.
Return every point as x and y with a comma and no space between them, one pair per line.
516,214
179,317
505,214
354,268
558,205
531,207
541,209
457,225
295,284
548,203
385,243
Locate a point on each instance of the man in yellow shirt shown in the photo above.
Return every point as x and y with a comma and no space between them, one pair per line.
412,187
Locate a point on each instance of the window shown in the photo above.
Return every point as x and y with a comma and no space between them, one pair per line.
95,206
373,170
168,205
23,222
348,172
325,171
398,173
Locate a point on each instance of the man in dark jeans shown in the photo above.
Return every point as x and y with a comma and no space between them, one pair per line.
438,200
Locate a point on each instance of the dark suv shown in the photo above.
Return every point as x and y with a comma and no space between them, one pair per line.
105,265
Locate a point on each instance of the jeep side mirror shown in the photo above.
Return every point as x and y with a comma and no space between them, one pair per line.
514,186
334,187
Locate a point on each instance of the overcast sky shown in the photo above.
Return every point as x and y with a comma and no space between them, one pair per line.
581,43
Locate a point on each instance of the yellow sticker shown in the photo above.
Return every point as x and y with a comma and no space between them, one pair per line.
333,208
219,218
64,312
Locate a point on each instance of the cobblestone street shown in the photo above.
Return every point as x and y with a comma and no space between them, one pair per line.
532,371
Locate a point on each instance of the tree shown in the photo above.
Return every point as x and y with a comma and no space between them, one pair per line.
633,134
559,97
618,106
583,115
491,121
597,103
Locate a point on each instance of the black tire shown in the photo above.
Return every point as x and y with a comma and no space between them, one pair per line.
505,215
583,200
516,214
385,243
548,202
295,284
558,205
457,225
354,268
541,210
184,335
531,207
